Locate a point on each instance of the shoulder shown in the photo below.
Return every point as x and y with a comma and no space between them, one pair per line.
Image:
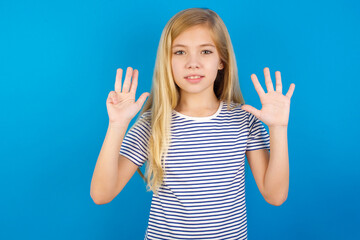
235,112
143,122
146,116
234,108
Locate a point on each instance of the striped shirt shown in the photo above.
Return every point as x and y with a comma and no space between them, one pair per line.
203,192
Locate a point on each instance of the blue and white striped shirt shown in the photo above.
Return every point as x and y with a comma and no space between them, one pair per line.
203,193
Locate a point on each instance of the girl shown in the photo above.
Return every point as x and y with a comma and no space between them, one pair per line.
193,134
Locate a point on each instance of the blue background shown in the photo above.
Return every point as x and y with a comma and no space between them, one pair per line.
58,61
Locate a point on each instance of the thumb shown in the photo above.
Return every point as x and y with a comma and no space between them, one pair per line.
111,97
142,99
251,110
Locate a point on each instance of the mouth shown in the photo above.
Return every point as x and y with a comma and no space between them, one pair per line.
194,78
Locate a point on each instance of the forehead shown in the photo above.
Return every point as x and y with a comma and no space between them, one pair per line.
195,35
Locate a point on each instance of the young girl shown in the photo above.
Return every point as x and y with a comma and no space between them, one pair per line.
193,134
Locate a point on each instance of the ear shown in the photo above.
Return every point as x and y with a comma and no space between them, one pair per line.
221,66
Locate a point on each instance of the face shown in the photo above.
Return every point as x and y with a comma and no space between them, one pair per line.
194,54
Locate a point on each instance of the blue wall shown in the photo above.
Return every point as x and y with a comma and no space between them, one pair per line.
58,61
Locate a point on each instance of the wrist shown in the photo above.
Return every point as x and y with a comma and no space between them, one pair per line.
120,126
278,128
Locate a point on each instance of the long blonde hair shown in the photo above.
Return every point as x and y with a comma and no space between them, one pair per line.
164,94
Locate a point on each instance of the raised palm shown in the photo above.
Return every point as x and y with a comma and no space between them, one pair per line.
121,105
275,106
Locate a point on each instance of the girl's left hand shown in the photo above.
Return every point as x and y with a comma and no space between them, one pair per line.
275,106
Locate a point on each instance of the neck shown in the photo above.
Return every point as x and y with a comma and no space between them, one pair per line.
197,103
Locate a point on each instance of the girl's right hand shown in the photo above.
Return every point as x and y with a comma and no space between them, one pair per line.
120,104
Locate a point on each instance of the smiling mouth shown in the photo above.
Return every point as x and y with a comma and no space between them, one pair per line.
194,77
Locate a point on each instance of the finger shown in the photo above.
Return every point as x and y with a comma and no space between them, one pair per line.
119,72
108,100
257,85
142,98
112,97
129,73
252,110
134,82
278,82
115,98
291,90
268,83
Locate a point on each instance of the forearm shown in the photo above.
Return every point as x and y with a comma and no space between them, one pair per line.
276,182
105,175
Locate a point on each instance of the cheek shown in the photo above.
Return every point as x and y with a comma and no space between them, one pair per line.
173,64
175,71
214,67
174,67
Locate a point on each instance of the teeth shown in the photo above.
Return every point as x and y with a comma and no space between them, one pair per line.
193,77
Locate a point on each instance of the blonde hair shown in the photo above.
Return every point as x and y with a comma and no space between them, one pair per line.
164,94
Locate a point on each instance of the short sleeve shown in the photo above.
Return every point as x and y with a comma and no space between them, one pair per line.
258,137
136,141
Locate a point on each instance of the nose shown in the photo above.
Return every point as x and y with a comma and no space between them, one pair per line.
192,61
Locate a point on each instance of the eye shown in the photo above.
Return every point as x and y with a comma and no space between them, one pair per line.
177,52
207,51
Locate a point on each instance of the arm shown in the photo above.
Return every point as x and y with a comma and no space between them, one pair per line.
112,171
271,171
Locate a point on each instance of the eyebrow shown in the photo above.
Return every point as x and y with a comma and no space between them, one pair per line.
202,45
